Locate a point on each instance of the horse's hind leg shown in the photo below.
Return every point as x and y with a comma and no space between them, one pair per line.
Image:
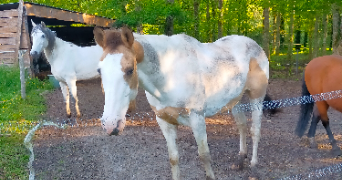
65,91
323,111
241,122
170,133
335,149
73,89
312,131
256,105
198,126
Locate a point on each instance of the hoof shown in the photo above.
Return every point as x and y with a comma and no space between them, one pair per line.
79,115
209,178
254,173
69,115
312,143
239,164
336,151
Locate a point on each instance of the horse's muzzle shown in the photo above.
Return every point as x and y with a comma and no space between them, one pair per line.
34,54
115,131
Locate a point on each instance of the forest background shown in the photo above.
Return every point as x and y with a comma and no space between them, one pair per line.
279,26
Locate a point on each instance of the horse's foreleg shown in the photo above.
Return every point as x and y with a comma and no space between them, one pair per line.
197,123
170,134
241,122
73,89
312,131
255,129
65,91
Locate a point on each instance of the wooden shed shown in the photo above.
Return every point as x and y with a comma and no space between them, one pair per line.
15,28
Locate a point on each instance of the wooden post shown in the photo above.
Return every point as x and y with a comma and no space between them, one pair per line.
22,73
20,22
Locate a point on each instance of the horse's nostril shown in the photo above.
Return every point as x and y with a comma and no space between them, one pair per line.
99,71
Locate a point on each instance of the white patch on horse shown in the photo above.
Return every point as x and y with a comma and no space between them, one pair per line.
114,83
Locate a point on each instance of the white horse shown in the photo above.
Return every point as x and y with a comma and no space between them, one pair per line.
69,62
185,81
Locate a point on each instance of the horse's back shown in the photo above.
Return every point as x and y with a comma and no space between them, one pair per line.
324,74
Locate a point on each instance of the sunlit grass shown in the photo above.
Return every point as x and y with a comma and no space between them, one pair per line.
17,116
281,67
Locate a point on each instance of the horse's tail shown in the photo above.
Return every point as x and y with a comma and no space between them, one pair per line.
305,111
270,107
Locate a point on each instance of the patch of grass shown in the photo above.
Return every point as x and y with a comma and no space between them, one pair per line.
16,118
13,157
12,106
281,67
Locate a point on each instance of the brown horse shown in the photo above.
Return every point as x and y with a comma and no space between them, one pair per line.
322,74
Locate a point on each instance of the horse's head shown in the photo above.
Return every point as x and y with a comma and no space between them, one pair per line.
42,38
118,69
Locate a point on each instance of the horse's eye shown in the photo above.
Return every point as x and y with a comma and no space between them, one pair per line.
43,36
130,71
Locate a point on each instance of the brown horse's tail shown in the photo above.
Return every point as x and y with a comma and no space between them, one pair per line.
305,112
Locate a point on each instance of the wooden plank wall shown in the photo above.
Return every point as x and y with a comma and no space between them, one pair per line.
8,36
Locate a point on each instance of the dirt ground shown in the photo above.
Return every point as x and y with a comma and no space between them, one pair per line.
140,152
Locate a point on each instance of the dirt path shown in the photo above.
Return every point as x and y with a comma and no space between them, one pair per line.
86,152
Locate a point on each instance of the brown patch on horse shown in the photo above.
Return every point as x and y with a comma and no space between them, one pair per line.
98,35
171,114
139,51
256,80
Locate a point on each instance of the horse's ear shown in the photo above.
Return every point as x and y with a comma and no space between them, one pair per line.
43,24
98,35
33,24
127,36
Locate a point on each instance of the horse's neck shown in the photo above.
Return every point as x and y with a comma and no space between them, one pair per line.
148,65
51,53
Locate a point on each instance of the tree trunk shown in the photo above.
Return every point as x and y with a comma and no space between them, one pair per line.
325,34
336,26
266,34
196,15
219,22
316,37
290,39
169,21
277,44
213,11
209,30
310,42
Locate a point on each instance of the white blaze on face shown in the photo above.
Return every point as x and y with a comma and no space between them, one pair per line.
117,94
39,42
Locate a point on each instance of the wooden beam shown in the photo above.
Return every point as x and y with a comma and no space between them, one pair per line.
9,55
7,35
42,11
7,41
8,29
9,13
7,48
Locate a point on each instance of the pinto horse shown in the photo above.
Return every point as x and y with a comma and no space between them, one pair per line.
322,74
185,81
